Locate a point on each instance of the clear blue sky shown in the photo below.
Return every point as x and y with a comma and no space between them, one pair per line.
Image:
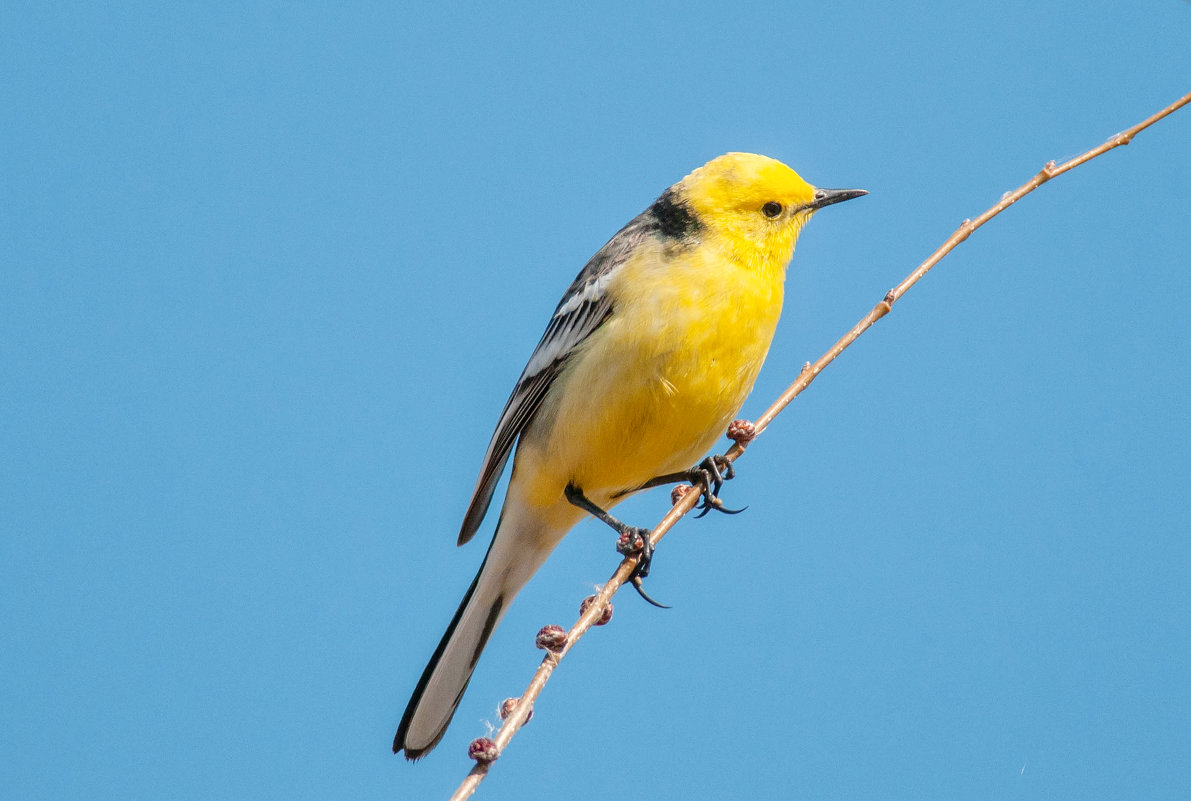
269,273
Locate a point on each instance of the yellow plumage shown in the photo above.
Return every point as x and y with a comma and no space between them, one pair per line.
649,356
655,386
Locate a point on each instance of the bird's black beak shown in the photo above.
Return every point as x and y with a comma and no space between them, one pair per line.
825,197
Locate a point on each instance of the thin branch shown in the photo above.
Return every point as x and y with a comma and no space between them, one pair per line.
521,710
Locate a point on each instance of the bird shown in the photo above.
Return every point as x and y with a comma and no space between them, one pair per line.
647,358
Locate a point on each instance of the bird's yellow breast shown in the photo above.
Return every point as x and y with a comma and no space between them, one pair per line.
654,387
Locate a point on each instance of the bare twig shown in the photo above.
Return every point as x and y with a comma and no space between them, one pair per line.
520,711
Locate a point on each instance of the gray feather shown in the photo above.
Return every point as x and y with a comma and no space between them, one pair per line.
583,308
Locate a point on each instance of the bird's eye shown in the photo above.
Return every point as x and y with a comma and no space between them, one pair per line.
771,209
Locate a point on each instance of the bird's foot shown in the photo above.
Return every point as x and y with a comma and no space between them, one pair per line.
636,541
708,477
631,540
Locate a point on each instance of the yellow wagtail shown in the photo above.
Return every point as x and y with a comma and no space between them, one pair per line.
649,355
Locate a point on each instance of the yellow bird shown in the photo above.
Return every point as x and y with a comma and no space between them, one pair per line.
649,355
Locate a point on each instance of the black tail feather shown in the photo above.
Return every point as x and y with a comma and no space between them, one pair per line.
406,719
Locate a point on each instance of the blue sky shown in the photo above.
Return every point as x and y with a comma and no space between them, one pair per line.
271,271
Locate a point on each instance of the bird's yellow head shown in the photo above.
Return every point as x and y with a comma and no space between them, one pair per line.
753,207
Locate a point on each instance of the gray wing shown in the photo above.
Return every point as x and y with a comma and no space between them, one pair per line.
584,307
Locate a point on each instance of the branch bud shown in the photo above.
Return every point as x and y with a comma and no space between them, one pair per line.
483,750
603,619
551,638
506,709
629,543
742,431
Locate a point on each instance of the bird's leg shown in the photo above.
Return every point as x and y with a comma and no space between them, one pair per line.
629,534
632,538
709,476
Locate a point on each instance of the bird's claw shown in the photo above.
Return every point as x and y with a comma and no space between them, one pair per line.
634,540
717,505
636,582
709,476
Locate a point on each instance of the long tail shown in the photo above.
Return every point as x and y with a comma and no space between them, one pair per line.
514,556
